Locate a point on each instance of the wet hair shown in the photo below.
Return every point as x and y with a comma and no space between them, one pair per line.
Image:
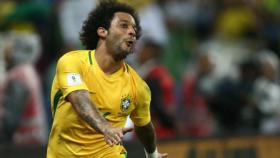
102,16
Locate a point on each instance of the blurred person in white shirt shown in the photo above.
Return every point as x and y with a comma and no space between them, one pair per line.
267,92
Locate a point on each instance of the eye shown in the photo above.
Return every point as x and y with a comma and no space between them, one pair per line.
124,25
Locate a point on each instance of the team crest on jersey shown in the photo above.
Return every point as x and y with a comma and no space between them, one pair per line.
125,103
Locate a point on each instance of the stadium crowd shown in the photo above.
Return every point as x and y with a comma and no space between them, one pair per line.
212,65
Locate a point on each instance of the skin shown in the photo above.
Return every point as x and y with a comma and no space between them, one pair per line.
87,110
147,137
114,45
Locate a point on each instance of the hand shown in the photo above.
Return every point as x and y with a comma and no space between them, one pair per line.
156,154
114,136
164,155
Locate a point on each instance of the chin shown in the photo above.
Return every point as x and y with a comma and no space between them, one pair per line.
122,53
121,56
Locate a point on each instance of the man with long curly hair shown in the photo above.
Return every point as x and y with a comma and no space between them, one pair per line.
94,90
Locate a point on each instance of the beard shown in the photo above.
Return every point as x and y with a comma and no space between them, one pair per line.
118,52
120,55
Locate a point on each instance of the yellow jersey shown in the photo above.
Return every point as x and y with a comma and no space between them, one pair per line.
117,96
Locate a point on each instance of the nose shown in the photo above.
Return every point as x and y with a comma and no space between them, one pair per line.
132,31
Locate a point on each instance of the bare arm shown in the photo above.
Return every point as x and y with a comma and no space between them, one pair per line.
86,109
88,112
147,137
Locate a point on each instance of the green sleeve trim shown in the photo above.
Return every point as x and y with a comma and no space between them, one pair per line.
57,96
106,114
124,153
126,66
89,57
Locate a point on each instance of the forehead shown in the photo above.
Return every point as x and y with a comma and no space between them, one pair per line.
122,16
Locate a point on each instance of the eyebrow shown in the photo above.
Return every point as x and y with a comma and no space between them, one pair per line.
123,20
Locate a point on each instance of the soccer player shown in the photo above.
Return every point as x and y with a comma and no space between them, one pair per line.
94,90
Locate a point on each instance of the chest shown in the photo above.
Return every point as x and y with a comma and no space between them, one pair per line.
114,96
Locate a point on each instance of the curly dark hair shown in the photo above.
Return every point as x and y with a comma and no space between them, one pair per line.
102,16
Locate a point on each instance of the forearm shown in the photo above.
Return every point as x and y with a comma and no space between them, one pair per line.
147,137
87,111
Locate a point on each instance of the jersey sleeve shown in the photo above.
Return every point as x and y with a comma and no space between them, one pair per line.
141,114
70,75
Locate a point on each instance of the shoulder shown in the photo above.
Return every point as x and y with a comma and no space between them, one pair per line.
74,57
134,74
140,84
77,54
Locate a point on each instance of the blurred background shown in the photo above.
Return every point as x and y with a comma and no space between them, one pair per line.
212,67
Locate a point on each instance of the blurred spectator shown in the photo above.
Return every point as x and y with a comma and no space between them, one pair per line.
2,62
36,17
2,73
23,119
272,6
271,31
236,19
227,53
162,88
233,103
179,18
235,36
198,85
150,13
6,7
71,14
267,92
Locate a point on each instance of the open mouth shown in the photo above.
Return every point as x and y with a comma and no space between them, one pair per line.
130,43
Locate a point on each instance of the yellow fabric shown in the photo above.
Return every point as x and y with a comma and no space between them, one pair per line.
138,5
234,21
6,8
117,96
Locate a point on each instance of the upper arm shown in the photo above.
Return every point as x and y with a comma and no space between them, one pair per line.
70,76
141,114
78,97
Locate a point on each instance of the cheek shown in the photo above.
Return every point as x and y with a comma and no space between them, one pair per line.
110,40
114,38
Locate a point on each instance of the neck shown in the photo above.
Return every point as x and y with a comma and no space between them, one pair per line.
106,61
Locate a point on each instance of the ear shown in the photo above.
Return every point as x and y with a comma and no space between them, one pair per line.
102,32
